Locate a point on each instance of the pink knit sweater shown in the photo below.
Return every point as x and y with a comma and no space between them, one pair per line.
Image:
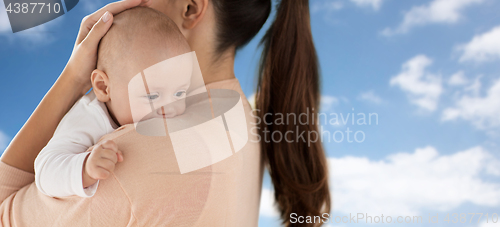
147,188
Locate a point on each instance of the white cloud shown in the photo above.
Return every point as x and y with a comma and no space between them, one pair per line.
327,102
375,4
328,6
410,183
267,204
4,141
4,20
326,9
251,100
336,5
370,96
482,48
423,88
489,223
458,79
474,87
482,111
436,12
92,5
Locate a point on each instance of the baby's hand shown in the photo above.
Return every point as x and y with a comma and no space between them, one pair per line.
101,162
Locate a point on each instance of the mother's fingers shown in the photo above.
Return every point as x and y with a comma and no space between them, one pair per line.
97,32
113,8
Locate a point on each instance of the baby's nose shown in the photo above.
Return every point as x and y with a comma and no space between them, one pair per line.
166,111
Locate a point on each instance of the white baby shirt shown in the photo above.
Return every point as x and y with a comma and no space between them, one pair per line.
59,166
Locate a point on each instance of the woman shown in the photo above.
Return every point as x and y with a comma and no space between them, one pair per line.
288,83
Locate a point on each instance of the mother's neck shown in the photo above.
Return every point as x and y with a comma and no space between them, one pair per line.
215,67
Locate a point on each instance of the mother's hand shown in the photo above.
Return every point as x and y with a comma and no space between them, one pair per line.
83,60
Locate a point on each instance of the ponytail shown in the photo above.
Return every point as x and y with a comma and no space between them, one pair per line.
289,84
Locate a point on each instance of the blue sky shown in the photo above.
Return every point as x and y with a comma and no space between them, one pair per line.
428,68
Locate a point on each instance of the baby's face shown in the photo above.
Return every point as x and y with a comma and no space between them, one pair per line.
158,91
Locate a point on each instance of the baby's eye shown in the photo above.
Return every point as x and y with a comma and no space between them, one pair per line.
152,96
179,94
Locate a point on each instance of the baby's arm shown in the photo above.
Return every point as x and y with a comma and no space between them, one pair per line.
58,173
59,166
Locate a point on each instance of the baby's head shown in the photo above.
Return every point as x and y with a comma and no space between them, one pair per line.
124,79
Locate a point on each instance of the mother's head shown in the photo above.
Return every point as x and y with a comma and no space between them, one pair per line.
288,84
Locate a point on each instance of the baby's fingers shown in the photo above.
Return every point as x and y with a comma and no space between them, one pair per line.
113,152
119,155
109,155
106,164
110,145
100,173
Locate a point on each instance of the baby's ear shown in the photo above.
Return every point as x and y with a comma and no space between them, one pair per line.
100,85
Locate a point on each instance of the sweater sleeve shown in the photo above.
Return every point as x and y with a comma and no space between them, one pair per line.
12,179
59,166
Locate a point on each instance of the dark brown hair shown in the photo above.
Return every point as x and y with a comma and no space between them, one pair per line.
288,83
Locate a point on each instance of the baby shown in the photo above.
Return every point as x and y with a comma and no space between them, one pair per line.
126,90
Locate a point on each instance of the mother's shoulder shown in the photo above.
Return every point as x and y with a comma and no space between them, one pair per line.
119,132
